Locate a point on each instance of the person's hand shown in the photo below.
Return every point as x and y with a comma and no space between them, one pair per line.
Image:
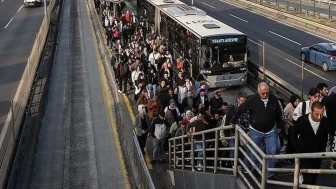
279,130
143,131
225,143
189,134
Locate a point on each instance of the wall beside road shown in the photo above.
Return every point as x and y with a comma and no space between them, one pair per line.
17,112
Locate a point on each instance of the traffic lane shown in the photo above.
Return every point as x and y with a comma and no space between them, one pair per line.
272,32
291,73
16,43
256,31
8,8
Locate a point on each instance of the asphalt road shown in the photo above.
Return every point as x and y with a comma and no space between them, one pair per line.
280,36
18,28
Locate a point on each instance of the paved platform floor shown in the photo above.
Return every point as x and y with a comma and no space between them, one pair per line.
76,143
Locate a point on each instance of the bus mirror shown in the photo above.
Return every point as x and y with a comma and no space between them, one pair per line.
248,52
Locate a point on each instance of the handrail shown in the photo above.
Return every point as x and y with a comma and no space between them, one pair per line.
177,153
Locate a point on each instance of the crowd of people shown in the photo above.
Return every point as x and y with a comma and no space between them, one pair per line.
170,104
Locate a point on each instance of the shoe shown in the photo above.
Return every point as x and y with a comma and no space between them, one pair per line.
199,168
301,179
119,91
153,162
124,94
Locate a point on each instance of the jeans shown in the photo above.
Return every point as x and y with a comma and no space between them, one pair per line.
198,146
151,88
247,151
270,142
158,148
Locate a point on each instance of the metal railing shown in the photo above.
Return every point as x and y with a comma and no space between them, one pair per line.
324,9
142,169
246,158
17,111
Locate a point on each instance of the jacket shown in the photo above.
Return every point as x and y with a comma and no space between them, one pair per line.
289,111
138,124
261,118
215,104
153,110
198,101
158,128
304,139
197,126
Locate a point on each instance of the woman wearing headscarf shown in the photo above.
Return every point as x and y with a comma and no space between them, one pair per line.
188,116
288,112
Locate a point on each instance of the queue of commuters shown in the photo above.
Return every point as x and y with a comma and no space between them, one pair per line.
170,104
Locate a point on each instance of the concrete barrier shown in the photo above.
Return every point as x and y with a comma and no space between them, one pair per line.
11,129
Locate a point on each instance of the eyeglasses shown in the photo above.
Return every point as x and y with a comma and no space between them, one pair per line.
265,93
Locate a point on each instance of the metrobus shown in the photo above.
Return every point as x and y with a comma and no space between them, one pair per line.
213,49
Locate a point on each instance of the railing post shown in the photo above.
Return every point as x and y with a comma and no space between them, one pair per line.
169,155
216,152
174,154
192,155
264,173
263,59
182,153
302,77
235,161
204,151
296,173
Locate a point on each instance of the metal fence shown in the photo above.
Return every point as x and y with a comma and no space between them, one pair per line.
142,169
324,8
9,133
182,150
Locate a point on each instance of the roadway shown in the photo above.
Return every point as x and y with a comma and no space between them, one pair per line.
18,28
281,36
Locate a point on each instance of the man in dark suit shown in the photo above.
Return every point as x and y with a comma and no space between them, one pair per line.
203,99
313,129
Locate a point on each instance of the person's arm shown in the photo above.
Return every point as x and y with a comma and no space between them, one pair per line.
151,105
295,134
152,128
246,106
279,121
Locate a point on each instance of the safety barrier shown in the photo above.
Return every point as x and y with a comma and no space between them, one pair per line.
246,156
142,170
258,4
11,128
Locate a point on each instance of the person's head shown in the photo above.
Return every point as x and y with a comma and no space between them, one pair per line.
189,114
225,106
317,110
217,94
141,76
189,94
162,115
169,115
323,89
164,65
142,113
202,92
145,49
163,83
171,91
201,114
165,75
202,85
138,68
144,92
207,119
172,103
294,100
241,97
180,74
218,115
183,124
314,94
263,90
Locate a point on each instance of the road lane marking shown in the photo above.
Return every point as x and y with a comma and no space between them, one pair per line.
128,104
254,42
280,22
2,1
9,22
108,106
285,38
20,8
208,5
300,66
238,18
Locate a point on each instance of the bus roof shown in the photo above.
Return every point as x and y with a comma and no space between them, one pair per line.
163,3
199,23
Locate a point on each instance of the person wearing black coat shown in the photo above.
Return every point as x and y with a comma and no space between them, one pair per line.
169,97
203,99
311,135
122,76
109,37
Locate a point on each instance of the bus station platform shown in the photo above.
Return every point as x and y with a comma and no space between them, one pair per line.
78,145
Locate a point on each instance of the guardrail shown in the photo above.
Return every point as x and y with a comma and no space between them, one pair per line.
296,19
246,158
12,126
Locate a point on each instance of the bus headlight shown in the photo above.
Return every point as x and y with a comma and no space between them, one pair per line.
205,71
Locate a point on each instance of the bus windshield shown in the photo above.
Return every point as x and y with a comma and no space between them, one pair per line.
225,57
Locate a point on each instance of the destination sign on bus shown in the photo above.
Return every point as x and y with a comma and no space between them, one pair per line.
225,40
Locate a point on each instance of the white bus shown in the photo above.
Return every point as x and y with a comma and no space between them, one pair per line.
212,48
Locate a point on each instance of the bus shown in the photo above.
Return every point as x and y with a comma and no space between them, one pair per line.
211,48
